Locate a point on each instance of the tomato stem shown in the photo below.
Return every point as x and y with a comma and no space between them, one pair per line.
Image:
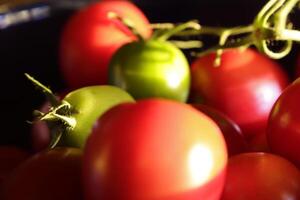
49,94
269,26
128,23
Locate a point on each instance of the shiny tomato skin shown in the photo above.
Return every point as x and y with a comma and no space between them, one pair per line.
244,86
151,68
48,175
235,140
154,149
90,38
261,176
283,126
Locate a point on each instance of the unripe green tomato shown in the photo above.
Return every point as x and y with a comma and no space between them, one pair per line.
90,103
151,68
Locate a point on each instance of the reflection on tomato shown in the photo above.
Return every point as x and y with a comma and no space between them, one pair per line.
235,140
48,175
284,124
261,176
154,149
90,38
245,86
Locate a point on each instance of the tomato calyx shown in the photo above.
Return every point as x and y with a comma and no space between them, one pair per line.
59,117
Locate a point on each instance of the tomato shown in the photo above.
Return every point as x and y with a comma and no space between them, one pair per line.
90,38
283,127
10,158
154,149
235,140
71,119
48,175
261,176
151,68
244,87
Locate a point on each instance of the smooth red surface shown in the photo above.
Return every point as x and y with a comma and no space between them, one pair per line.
283,133
49,175
235,140
154,150
10,158
245,86
90,38
261,176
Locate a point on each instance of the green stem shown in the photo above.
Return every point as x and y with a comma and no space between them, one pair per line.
49,94
177,29
128,23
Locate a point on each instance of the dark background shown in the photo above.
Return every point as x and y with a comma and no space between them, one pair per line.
33,47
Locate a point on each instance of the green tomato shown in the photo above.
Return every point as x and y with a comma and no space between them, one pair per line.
89,103
151,68
71,120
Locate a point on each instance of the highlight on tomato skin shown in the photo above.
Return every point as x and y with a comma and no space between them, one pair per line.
90,38
235,140
261,176
244,86
154,149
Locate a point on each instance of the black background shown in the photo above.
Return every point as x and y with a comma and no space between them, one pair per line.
33,48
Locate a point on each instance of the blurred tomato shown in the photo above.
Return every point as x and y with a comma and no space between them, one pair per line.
284,124
235,140
48,175
245,86
154,149
91,37
10,158
261,176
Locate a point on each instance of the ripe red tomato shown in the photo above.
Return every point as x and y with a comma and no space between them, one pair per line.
261,176
244,87
284,127
91,37
10,158
235,140
154,149
48,175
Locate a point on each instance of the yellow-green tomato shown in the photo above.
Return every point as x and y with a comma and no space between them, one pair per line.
88,104
151,68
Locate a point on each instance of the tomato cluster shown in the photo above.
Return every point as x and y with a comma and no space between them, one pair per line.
140,121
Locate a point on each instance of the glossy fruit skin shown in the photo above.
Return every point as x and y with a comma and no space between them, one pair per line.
48,175
244,87
235,140
90,38
283,126
154,149
151,68
90,103
261,176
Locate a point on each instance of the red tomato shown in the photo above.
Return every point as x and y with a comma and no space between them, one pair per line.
284,124
10,158
90,38
48,175
235,140
261,176
244,87
154,149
